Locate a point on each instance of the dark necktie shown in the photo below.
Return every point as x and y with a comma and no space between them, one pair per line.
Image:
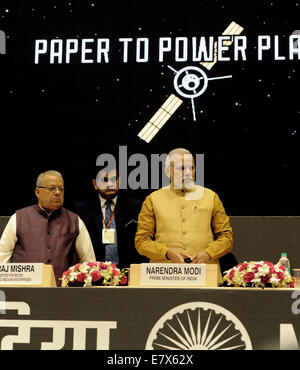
111,250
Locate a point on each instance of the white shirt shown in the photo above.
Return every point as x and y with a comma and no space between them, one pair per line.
83,243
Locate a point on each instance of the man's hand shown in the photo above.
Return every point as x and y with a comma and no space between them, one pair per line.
177,256
201,257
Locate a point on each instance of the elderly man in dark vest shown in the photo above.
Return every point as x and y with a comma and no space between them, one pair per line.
47,232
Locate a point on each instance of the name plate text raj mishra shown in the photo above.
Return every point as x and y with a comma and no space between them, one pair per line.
21,274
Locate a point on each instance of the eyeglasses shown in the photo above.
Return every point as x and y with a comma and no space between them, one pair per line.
52,189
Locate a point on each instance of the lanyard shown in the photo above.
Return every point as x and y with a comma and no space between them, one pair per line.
110,219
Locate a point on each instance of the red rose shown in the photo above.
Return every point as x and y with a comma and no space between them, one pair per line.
281,267
256,267
124,280
115,272
96,275
103,266
243,266
249,277
280,276
272,270
66,273
268,263
265,279
92,264
231,274
76,267
81,277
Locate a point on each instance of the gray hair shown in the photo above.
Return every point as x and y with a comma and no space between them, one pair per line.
40,178
174,152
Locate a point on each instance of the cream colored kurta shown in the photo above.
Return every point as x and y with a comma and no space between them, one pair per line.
190,221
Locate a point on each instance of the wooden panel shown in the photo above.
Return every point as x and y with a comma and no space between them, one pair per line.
48,276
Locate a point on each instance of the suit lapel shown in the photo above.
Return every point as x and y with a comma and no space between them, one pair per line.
122,213
97,214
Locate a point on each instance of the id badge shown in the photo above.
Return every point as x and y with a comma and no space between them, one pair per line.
108,236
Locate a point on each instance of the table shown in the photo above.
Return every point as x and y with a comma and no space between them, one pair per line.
136,318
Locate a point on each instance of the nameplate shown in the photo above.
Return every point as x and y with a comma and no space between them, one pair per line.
21,274
173,274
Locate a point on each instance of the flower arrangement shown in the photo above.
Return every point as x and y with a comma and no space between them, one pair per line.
87,274
258,274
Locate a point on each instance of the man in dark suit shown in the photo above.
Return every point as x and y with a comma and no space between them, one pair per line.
111,219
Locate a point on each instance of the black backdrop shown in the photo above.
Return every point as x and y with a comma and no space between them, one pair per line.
62,116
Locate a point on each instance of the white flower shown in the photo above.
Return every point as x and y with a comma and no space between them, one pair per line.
88,281
264,270
64,283
84,268
73,276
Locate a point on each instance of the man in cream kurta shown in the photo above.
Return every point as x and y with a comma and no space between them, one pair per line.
183,220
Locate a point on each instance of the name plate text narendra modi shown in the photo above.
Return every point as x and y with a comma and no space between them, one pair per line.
173,274
21,274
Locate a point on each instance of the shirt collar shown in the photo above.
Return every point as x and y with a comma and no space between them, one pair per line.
181,191
102,200
44,212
